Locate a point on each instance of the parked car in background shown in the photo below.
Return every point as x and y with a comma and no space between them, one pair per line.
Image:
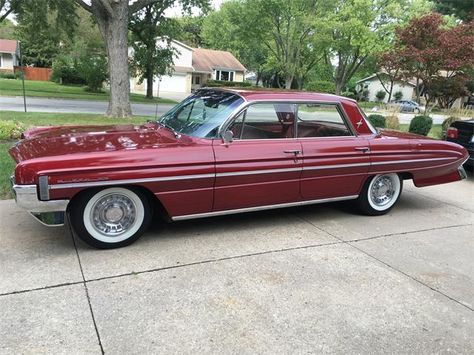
221,151
407,106
462,132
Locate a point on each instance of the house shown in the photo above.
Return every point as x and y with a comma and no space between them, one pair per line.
373,85
8,55
192,68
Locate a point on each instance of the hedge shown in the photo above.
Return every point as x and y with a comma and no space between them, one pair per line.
421,125
377,120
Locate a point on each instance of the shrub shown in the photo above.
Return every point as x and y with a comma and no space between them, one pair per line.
380,95
349,94
11,130
377,121
392,122
398,95
364,95
222,83
421,125
446,123
65,72
321,86
93,70
15,75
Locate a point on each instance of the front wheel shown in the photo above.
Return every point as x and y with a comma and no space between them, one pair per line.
110,218
379,194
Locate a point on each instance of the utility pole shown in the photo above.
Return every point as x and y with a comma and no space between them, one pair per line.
22,75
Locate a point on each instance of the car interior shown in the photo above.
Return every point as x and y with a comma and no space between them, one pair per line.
277,121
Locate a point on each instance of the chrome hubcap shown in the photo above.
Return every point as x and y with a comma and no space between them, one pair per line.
113,214
382,191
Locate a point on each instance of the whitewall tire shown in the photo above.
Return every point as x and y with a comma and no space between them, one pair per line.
380,193
110,218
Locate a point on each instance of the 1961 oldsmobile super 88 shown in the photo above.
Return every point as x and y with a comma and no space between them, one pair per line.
221,151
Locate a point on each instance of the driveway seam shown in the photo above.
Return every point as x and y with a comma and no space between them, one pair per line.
350,243
84,282
209,261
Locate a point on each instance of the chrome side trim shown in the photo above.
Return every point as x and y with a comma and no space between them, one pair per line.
256,172
336,166
261,208
128,181
236,173
410,161
43,188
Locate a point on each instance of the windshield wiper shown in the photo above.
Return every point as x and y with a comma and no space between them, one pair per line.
176,134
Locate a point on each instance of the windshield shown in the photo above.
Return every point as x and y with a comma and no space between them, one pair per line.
201,114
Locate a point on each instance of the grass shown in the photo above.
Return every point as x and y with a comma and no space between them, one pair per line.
32,119
435,132
49,89
7,165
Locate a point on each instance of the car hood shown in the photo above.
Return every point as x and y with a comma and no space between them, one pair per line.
60,140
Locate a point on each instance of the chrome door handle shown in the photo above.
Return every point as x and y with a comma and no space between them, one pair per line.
363,149
295,151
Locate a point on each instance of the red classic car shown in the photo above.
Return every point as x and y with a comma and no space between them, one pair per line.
221,151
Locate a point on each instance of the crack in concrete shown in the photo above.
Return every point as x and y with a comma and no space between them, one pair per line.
84,282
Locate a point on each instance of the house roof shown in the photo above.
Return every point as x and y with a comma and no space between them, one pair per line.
409,82
207,60
8,46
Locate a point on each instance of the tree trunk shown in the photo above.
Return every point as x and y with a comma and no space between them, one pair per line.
149,84
288,81
339,87
114,29
390,91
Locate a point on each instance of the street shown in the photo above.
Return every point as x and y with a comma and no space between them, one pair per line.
315,279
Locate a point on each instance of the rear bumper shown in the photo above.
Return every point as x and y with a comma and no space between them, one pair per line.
50,213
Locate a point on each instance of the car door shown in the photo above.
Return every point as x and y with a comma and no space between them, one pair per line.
262,165
335,160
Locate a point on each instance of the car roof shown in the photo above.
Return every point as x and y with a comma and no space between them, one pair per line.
265,94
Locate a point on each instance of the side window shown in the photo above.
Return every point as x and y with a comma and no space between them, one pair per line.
320,120
265,121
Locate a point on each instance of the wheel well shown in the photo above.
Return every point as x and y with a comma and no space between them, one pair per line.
155,202
406,175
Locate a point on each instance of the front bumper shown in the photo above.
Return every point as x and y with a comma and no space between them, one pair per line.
50,213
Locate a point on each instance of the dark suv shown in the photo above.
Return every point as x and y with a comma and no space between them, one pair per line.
462,132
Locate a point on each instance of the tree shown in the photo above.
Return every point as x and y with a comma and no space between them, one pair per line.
433,52
462,9
42,26
228,29
149,57
8,7
189,30
112,17
357,29
7,29
390,64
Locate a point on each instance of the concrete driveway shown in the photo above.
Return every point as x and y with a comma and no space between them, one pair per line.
317,279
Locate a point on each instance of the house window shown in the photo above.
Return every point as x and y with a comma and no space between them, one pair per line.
224,75
1,60
196,80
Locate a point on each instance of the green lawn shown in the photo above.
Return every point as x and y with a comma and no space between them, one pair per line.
49,89
32,119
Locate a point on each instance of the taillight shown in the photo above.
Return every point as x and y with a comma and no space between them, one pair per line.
452,133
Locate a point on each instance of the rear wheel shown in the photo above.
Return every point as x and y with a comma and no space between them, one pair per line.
379,194
110,218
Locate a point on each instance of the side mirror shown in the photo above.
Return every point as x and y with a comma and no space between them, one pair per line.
228,137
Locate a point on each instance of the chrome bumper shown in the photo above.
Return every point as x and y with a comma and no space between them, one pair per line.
50,213
462,172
